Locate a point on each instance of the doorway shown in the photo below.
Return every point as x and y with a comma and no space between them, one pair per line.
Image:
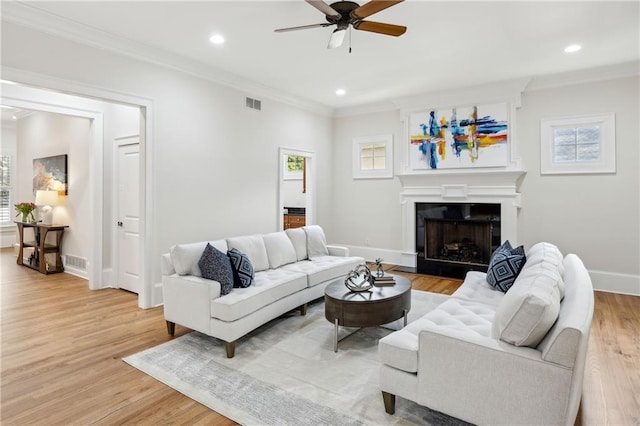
296,206
43,93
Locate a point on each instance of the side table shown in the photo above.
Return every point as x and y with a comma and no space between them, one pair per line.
41,247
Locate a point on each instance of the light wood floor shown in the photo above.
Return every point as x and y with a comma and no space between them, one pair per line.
62,349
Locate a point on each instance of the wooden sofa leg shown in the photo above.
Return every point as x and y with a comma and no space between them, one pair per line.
303,310
230,347
171,328
389,402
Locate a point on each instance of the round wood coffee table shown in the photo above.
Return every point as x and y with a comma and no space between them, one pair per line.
373,308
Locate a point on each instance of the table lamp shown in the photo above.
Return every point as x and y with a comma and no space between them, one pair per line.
46,199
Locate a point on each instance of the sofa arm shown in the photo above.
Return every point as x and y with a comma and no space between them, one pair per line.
487,381
187,300
166,265
338,251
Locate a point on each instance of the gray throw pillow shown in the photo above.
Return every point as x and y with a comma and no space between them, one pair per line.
216,266
504,266
243,273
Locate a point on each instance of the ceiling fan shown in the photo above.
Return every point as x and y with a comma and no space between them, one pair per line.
346,13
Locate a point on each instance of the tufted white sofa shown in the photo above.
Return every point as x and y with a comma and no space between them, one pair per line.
488,357
291,267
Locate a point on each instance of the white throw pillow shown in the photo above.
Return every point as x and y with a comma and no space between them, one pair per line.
299,240
549,256
253,246
280,249
528,310
316,241
185,257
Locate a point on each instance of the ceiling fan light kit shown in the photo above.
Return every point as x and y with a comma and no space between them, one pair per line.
347,13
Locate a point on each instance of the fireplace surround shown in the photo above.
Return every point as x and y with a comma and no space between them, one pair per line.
477,195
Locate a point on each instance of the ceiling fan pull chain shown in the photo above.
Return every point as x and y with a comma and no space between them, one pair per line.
350,39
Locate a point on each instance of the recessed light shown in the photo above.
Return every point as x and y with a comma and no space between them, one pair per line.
572,48
216,39
341,92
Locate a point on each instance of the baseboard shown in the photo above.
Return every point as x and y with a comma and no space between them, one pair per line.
80,273
393,257
613,282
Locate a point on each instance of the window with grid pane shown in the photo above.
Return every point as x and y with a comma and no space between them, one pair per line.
576,144
373,156
5,188
579,144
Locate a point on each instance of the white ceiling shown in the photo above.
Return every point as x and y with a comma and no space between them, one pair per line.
448,44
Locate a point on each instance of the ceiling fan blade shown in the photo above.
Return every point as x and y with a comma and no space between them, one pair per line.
303,27
380,28
337,37
324,8
374,6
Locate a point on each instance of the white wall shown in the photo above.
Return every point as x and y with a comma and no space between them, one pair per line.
215,162
367,212
594,216
43,134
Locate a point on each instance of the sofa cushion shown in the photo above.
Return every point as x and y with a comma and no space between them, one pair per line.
242,268
316,241
216,266
548,255
185,257
280,249
268,286
505,265
476,289
324,268
253,246
299,240
400,349
528,310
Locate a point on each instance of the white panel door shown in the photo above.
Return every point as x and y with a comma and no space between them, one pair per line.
128,268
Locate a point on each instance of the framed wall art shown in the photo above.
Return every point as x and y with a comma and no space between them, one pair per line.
459,137
50,174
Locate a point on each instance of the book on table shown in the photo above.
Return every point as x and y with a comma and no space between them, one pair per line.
384,280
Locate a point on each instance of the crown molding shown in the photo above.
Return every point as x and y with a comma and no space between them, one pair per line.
588,75
30,16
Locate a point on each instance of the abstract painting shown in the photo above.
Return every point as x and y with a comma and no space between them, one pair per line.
50,174
462,137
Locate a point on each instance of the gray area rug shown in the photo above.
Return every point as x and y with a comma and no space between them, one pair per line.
286,373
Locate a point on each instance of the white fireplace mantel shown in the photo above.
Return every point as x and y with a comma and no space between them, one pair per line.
459,186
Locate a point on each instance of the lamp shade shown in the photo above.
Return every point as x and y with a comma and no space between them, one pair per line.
46,198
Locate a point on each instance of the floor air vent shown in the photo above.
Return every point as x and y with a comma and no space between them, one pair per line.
75,262
253,104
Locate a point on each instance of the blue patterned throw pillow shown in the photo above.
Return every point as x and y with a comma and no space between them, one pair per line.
214,265
505,265
242,268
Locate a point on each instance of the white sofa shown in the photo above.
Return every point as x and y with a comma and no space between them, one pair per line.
488,357
291,267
